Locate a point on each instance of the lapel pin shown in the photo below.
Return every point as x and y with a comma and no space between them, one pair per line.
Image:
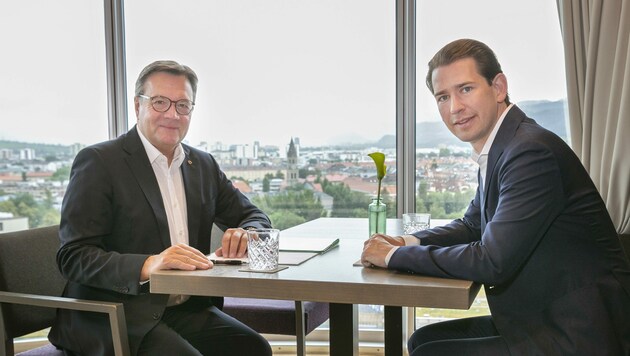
190,162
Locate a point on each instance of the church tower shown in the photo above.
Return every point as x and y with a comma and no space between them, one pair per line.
292,164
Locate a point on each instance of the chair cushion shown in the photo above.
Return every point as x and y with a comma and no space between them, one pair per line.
46,350
275,316
28,265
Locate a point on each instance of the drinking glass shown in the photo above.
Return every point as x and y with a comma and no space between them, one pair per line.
413,222
263,249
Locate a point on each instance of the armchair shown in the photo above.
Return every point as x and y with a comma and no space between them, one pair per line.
30,286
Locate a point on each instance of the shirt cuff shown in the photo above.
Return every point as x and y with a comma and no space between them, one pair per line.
410,240
389,255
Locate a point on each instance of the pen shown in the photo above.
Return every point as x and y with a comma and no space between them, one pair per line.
227,262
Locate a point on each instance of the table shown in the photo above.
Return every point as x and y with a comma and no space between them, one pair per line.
331,278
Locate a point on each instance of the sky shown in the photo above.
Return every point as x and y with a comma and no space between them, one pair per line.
323,71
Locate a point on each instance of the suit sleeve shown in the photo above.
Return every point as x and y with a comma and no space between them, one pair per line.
529,196
460,231
86,255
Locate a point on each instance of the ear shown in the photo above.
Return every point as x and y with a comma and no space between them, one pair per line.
136,105
499,83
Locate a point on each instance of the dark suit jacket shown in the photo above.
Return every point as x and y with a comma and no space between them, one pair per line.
541,241
113,218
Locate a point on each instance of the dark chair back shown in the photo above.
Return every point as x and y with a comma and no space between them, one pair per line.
625,244
27,265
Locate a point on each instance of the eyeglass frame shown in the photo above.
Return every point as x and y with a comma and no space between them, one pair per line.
170,103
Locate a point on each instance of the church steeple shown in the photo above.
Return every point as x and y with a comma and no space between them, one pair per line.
292,163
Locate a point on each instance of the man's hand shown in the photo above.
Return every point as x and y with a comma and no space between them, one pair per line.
180,256
376,248
233,244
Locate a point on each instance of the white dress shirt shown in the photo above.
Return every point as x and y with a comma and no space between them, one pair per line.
171,186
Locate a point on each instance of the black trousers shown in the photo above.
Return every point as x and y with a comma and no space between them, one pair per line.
469,336
188,330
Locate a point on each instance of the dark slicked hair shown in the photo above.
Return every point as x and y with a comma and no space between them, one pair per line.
170,67
487,63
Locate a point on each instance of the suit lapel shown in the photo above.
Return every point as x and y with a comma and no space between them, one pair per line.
139,165
505,134
482,201
192,186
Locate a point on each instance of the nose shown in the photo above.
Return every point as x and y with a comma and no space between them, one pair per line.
456,105
171,113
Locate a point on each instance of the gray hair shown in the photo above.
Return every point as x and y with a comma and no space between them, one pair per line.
170,67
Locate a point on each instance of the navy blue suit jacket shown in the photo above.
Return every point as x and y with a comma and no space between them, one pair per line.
113,219
541,241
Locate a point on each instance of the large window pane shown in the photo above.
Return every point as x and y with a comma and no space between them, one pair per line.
52,102
531,56
320,74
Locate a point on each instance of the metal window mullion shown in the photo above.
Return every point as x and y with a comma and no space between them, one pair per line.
116,67
405,106
406,122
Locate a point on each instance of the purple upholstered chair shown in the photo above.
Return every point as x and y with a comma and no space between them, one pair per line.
284,317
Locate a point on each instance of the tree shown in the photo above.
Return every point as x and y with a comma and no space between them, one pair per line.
346,203
445,152
294,202
62,174
285,219
444,205
25,205
265,184
51,158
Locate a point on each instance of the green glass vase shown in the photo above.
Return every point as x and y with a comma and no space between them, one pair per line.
377,215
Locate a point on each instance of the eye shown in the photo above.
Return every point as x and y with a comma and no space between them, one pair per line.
466,89
441,98
159,101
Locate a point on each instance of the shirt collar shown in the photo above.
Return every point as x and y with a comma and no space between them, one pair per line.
486,147
153,153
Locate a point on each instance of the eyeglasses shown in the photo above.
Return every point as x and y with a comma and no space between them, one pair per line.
162,104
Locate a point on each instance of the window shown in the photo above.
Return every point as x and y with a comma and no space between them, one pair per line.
446,177
292,97
52,100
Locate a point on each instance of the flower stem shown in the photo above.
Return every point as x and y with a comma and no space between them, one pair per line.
378,202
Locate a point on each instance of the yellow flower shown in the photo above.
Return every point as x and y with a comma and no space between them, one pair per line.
379,161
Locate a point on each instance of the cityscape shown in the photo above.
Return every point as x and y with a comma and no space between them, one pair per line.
33,179
292,184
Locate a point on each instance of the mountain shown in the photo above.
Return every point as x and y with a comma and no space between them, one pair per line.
548,114
431,134
42,149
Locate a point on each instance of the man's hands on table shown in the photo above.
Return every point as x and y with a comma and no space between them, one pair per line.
376,248
184,257
233,244
180,256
